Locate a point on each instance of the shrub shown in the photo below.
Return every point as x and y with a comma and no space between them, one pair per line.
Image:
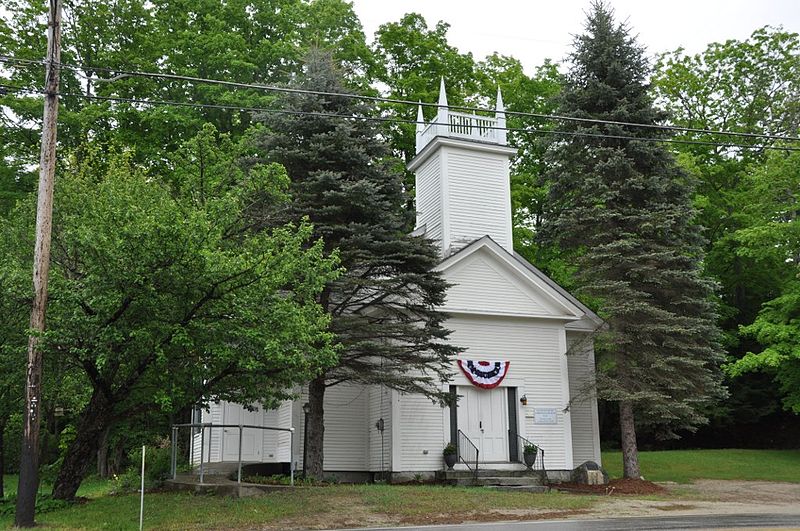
44,504
157,468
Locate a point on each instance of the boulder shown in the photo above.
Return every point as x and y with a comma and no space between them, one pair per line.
589,473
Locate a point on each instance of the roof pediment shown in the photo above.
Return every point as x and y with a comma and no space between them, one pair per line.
486,279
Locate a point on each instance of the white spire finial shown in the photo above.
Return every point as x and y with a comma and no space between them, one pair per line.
420,118
500,107
442,94
500,116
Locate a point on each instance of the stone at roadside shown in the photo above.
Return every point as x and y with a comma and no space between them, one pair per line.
589,473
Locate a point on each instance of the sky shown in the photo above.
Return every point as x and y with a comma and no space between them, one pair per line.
532,30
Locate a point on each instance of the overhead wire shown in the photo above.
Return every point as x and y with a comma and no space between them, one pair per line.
394,120
123,73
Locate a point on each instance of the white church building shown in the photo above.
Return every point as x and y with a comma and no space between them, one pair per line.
515,378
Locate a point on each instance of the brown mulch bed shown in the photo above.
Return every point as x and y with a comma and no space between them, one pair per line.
616,486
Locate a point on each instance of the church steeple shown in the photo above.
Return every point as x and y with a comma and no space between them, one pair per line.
462,176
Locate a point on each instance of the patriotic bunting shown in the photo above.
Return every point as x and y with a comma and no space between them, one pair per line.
484,374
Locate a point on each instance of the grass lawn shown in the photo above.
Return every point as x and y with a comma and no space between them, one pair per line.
684,466
334,506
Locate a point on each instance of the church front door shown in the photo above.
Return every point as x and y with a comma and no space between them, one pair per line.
483,417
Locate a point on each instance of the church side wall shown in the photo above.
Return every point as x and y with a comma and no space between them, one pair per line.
380,448
422,434
585,428
284,419
346,434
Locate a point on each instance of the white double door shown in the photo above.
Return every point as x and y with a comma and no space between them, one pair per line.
252,439
483,417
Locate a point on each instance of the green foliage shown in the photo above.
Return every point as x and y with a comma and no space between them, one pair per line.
411,57
750,86
45,503
450,449
281,479
528,449
773,238
248,42
157,469
175,287
622,210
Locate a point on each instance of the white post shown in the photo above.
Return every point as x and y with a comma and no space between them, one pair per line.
141,498
420,127
442,114
291,456
500,115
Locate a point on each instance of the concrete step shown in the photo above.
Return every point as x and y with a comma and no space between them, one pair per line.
485,472
502,481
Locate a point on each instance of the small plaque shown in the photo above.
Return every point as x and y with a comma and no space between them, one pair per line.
545,416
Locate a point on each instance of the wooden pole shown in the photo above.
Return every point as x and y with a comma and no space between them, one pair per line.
29,457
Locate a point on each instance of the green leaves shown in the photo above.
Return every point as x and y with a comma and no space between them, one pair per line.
170,283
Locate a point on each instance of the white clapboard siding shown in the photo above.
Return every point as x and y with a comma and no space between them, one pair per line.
484,283
478,200
380,406
422,434
298,421
215,417
536,353
585,438
429,197
346,445
284,418
269,448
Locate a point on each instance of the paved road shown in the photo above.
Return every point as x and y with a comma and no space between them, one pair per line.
727,521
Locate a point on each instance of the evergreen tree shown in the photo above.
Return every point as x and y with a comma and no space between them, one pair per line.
623,209
383,307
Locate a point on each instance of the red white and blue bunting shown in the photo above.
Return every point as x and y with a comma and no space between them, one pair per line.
484,374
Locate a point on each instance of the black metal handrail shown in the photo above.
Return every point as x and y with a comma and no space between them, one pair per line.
521,444
467,453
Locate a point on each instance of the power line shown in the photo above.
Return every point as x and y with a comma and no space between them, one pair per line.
121,74
383,119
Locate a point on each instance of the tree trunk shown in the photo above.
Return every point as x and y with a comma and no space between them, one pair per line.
630,453
314,437
81,454
102,454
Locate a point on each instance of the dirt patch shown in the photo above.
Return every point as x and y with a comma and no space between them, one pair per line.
636,487
766,492
675,507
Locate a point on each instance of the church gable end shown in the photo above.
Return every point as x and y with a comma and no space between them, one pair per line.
484,283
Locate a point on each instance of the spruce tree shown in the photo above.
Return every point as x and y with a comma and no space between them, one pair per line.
383,306
622,209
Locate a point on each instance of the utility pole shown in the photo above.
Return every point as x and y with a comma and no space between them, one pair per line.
29,457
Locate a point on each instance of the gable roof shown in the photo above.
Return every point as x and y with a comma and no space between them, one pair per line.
556,302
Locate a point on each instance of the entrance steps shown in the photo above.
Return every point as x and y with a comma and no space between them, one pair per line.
518,480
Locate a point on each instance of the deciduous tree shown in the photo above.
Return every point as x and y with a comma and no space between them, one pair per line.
169,290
